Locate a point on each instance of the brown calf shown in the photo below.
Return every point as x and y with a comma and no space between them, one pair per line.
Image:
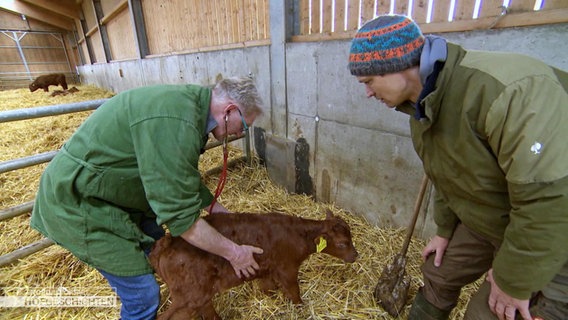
47,80
194,276
59,93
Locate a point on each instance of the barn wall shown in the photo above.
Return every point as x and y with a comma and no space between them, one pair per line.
360,153
363,159
196,68
319,134
177,26
121,38
29,48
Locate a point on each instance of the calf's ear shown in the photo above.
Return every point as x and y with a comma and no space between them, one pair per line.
328,214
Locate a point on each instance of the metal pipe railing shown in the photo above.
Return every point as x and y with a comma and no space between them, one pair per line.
26,161
38,112
25,251
10,165
34,247
15,211
26,207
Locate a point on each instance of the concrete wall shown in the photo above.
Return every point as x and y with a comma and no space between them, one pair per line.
364,160
360,156
197,68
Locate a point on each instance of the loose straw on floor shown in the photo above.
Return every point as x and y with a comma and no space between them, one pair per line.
330,288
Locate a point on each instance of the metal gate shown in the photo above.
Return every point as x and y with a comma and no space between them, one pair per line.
21,163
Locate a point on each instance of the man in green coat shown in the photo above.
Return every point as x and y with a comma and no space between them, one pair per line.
491,131
131,167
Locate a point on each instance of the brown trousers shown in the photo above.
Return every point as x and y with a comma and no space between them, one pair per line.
468,257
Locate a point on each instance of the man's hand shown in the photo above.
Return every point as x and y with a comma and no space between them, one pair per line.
205,237
504,306
437,245
243,261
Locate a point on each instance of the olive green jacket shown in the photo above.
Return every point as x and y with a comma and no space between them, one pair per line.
493,142
136,157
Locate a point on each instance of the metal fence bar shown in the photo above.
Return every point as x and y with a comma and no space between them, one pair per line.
15,211
24,114
25,251
26,161
30,113
47,156
214,144
38,112
26,207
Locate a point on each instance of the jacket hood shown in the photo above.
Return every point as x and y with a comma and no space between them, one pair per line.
435,49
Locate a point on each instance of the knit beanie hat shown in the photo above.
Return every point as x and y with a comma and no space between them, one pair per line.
386,44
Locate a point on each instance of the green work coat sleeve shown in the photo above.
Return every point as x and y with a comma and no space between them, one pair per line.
534,162
535,240
168,155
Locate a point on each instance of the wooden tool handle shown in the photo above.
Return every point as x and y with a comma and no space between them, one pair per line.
417,205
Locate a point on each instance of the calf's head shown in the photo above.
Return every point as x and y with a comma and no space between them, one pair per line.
33,86
337,236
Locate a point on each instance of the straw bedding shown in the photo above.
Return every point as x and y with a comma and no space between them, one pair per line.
330,288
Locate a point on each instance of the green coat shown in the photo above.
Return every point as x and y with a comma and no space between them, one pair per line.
494,145
136,156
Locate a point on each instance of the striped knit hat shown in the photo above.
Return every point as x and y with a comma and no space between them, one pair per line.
386,44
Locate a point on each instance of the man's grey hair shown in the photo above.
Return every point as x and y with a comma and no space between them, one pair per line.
242,91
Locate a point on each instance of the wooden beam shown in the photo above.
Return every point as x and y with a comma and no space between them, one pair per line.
508,20
68,9
37,13
123,4
230,46
92,31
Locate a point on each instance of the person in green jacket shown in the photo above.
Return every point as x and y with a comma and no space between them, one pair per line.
132,167
490,129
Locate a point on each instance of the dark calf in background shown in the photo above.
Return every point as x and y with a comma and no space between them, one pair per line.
54,79
194,276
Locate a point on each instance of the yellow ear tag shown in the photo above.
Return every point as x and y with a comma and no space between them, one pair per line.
321,245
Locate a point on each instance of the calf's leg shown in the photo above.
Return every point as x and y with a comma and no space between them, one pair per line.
267,285
288,281
174,311
208,312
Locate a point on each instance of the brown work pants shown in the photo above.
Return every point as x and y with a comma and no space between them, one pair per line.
467,258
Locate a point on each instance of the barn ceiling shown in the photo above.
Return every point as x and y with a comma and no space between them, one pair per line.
58,13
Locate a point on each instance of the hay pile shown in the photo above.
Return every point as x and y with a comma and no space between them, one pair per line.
330,288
